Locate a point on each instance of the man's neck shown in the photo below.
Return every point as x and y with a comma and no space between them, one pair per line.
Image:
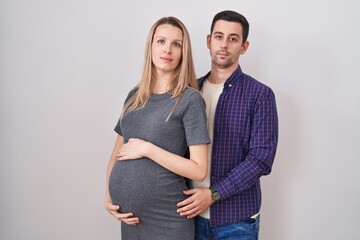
220,75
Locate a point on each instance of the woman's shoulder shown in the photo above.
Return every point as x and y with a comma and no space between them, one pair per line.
190,92
192,96
131,93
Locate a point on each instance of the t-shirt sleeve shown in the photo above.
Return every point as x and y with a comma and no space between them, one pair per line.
117,128
195,121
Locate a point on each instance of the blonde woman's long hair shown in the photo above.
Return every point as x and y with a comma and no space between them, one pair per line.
184,75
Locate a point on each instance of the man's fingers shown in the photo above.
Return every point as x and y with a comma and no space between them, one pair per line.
189,207
188,200
193,215
186,211
189,191
190,211
184,202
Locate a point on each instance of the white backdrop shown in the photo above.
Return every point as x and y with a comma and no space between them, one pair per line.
66,67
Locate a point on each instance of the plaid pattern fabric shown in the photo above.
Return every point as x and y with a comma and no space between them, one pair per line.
244,146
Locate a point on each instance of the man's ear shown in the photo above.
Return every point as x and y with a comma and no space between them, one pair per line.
208,40
244,47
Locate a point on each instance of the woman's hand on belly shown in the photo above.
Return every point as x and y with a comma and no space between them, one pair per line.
135,148
115,210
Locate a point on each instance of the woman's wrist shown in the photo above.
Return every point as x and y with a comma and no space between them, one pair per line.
149,148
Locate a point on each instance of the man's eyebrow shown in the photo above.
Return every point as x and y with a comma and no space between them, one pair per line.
218,33
232,34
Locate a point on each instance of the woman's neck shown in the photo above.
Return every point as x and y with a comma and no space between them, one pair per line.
161,84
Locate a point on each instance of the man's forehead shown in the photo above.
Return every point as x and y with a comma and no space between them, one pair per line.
222,25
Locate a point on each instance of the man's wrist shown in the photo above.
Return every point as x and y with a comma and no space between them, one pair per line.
214,194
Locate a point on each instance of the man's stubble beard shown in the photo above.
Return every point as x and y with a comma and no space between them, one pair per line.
222,64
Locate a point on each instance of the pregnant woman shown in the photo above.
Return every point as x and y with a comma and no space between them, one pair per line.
163,116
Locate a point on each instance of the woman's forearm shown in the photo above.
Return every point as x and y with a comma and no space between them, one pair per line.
194,168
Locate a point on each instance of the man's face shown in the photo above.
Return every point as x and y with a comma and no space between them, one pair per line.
226,43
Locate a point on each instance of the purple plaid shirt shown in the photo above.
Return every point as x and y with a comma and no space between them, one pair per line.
244,147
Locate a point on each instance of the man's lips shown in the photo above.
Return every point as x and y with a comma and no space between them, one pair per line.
223,54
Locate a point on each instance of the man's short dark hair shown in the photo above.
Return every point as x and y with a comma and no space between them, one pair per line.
232,16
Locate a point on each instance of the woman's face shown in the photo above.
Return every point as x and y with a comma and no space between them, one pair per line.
166,48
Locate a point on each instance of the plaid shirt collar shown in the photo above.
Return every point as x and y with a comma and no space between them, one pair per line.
236,77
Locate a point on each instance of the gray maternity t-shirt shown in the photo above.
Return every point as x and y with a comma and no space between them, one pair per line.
147,189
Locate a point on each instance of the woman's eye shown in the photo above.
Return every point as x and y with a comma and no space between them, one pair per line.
177,45
161,41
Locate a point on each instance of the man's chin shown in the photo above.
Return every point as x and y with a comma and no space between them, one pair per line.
223,65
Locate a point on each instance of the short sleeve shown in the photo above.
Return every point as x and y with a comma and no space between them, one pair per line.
195,120
117,128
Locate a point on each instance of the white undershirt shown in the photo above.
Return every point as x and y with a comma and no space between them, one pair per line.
211,93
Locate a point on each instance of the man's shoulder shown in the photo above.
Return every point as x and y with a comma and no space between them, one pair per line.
251,82
202,79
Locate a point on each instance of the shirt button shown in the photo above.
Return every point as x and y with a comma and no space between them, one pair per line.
230,85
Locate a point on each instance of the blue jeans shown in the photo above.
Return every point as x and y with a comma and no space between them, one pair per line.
247,229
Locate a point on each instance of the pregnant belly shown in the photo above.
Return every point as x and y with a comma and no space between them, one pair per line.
142,186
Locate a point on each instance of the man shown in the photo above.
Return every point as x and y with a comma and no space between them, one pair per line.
243,126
